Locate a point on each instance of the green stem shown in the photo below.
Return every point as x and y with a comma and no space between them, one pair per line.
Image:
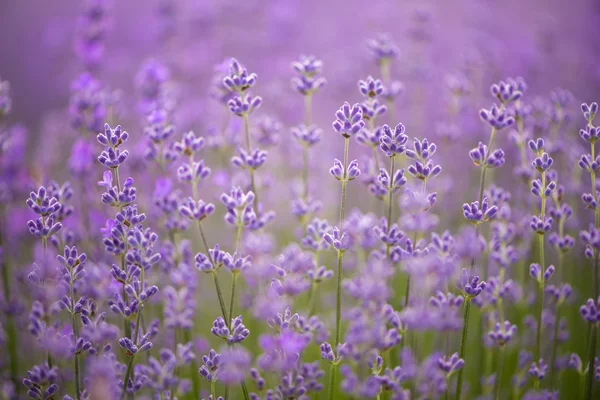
232,300
338,308
554,347
463,346
344,183
390,201
538,340
332,377
193,367
499,372
75,334
135,340
213,389
221,299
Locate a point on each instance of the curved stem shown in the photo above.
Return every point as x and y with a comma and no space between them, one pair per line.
221,299
463,346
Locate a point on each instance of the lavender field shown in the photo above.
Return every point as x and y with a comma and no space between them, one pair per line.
299,199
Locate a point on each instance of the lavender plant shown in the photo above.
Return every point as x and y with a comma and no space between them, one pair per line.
209,276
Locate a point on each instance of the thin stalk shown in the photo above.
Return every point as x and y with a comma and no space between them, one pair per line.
538,342
248,148
313,299
390,201
75,334
332,376
590,378
232,299
340,258
538,338
554,347
463,346
193,368
213,389
338,308
130,364
499,372
221,299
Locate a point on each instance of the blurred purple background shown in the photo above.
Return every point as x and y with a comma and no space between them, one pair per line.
550,42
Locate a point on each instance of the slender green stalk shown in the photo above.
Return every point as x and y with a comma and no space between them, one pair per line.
307,122
221,299
463,346
131,360
591,370
499,372
340,258
76,334
248,148
390,201
232,300
538,342
554,347
213,388
193,368
338,308
332,377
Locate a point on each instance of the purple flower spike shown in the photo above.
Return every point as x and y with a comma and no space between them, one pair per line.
189,144
349,120
470,285
42,203
327,353
588,164
543,162
590,134
337,171
423,150
308,136
391,184
589,111
541,225
237,333
535,271
308,82
496,118
393,141
480,157
244,106
506,92
590,311
502,333
451,364
370,87
239,80
538,370
210,369
383,49
251,160
477,215
339,240
196,210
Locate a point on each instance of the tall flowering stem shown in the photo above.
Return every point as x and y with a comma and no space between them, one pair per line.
471,287
307,83
497,118
348,123
240,81
541,225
